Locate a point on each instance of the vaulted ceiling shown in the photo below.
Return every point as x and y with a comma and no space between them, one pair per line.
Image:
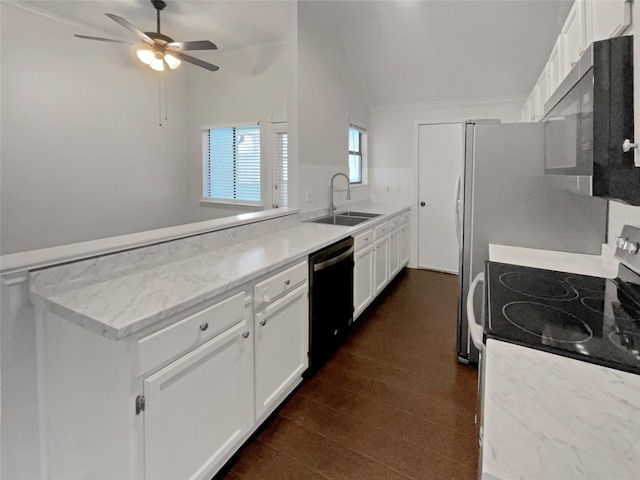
401,51
411,51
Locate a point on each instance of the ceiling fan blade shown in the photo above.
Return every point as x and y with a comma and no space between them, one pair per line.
86,37
143,36
195,61
194,45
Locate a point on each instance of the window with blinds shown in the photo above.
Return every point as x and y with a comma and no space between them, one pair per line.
232,164
356,136
280,168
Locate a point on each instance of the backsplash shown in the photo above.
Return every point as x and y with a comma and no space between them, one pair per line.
314,182
621,214
101,268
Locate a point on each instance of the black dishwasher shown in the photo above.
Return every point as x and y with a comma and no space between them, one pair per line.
330,301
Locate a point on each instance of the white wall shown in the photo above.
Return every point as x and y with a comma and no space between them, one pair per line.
82,154
251,85
328,97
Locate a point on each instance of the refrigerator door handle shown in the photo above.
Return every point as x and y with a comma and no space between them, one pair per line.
457,205
475,330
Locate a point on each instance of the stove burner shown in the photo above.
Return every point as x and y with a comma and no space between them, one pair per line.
538,286
548,323
595,304
592,284
627,341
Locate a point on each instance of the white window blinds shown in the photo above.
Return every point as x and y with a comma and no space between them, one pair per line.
233,164
280,168
355,154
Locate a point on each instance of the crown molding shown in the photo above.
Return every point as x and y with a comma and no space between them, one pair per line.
408,107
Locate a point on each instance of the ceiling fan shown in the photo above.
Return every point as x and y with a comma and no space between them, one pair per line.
158,50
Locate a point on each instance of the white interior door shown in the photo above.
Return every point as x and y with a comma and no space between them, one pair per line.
440,156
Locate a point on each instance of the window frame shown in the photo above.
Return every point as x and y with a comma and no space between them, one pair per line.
205,166
362,133
277,128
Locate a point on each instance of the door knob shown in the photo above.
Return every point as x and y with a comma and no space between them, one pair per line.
627,145
422,204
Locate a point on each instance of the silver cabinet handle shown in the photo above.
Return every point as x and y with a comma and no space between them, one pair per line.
287,282
204,326
263,322
245,335
573,64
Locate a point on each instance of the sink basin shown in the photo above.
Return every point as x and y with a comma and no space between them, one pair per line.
344,220
360,214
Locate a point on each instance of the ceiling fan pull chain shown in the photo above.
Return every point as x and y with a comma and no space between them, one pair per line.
159,102
166,105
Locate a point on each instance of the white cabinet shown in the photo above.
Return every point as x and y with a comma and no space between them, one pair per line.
381,258
405,243
607,18
541,95
175,400
281,348
555,72
394,252
573,37
363,277
199,407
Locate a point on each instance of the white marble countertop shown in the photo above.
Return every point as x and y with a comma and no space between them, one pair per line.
555,418
121,305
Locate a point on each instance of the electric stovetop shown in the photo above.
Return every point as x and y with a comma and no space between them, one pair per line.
592,319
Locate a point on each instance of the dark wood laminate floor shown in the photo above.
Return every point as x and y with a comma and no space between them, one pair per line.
393,402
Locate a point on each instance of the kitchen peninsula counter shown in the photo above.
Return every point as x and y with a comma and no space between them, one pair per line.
115,300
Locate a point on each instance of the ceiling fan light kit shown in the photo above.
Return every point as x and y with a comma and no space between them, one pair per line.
158,49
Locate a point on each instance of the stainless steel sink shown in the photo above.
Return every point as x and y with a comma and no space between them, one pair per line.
345,220
360,214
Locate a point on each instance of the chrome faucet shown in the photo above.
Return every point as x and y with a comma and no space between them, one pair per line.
332,207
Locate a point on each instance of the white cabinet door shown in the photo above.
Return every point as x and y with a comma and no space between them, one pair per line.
281,347
541,95
555,72
199,407
405,243
362,280
381,254
394,253
573,36
607,18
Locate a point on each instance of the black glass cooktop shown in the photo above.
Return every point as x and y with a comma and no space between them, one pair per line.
592,319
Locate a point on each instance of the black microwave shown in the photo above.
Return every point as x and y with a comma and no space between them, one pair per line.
588,119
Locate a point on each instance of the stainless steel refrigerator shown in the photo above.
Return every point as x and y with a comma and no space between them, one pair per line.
505,198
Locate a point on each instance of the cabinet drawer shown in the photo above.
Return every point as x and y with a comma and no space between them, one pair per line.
363,240
381,230
394,222
270,289
189,332
404,218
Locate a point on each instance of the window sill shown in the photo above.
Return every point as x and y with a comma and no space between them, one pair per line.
209,202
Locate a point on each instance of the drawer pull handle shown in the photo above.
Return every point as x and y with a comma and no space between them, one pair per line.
245,335
287,282
263,322
204,326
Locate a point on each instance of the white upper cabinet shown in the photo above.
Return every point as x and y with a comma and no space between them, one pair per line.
541,95
573,37
555,72
607,18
